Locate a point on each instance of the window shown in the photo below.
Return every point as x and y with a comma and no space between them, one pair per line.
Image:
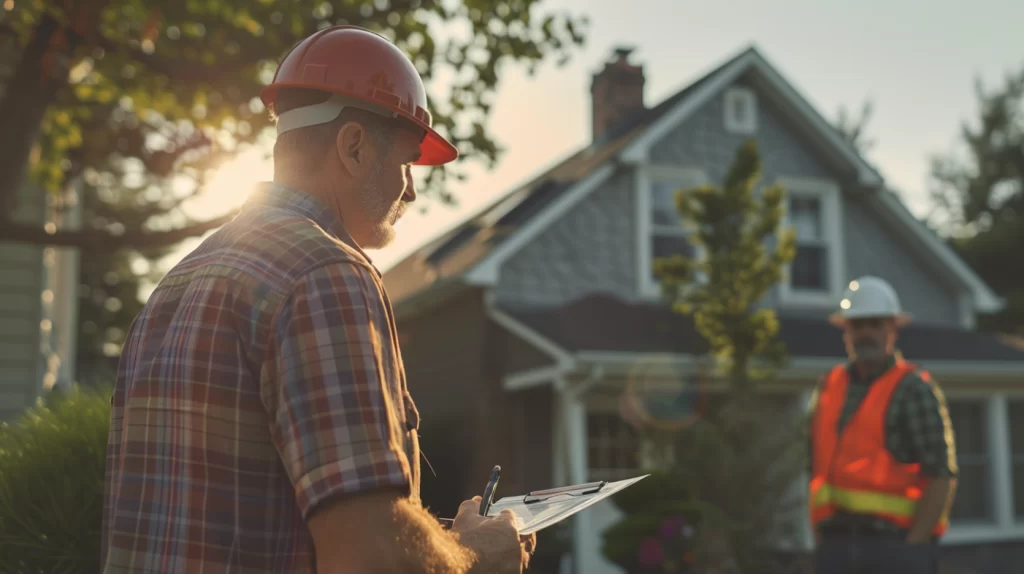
816,273
1016,420
973,501
669,236
662,230
612,447
740,111
809,270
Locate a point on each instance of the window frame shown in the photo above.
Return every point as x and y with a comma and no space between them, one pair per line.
989,462
740,95
645,176
827,192
611,442
1006,526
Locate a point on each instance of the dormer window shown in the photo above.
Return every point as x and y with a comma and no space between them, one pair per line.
740,111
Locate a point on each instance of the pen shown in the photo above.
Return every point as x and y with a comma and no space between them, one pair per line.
492,484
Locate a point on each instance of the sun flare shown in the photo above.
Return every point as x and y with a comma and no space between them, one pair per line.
232,184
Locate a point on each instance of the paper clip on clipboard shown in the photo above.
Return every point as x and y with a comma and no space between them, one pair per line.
575,490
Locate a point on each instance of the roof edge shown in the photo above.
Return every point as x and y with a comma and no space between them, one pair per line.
983,297
485,272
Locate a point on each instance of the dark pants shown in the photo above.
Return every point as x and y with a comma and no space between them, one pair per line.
849,554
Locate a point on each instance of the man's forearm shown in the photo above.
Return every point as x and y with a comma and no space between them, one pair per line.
387,536
936,496
425,547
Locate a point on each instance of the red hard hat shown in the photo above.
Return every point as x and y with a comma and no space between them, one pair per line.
362,69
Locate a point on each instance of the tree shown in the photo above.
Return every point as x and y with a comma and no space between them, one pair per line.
744,464
979,191
854,130
163,90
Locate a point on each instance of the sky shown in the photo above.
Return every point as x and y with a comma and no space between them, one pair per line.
916,60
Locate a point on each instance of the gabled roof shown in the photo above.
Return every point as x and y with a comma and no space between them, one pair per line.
456,252
474,251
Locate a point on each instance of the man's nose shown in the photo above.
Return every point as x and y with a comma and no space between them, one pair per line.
410,186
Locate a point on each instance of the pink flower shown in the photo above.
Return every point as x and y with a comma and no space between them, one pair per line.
671,527
651,553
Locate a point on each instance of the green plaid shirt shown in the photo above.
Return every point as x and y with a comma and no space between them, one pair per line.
917,428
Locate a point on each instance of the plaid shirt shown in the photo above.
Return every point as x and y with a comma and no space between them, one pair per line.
262,378
917,428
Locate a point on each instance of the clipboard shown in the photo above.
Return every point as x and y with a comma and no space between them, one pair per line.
539,509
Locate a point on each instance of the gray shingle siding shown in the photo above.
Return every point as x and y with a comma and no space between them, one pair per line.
870,251
702,141
591,248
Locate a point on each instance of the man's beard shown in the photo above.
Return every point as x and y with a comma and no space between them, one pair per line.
868,351
380,214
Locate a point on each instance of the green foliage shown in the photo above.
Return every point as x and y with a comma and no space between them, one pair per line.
51,484
980,192
742,464
151,79
744,256
650,507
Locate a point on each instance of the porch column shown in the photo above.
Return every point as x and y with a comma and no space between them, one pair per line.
574,417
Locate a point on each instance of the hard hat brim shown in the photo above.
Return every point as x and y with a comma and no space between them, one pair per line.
839,319
435,150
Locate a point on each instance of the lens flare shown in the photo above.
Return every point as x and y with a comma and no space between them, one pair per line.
663,394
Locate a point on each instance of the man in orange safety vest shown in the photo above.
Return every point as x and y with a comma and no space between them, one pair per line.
883,463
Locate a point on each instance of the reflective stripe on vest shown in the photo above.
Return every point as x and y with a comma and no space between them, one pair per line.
853,471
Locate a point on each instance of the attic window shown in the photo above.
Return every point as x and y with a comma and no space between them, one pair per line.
740,111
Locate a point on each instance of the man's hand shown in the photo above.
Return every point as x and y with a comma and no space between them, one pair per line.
496,542
937,496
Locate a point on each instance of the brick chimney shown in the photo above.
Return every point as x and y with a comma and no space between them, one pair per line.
616,91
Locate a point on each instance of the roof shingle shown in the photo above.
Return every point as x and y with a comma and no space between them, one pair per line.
604,323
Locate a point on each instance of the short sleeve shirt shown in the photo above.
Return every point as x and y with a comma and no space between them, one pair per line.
262,378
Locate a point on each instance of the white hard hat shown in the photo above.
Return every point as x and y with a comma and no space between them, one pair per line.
869,296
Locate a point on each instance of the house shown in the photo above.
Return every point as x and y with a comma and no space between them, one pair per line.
21,309
522,326
38,306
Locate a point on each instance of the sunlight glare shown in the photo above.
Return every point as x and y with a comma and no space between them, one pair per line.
224,192
232,184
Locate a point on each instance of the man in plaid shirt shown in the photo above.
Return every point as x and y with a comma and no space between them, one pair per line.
261,421
883,461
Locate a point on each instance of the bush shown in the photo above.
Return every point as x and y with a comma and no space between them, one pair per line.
658,531
51,484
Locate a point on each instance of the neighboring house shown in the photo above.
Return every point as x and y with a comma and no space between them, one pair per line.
21,309
38,308
521,327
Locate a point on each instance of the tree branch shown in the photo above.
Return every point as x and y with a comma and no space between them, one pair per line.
190,73
97,240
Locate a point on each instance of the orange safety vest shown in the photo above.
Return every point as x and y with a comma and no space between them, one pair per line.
854,471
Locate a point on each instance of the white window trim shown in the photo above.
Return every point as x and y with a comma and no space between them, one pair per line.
732,123
1005,526
828,192
647,286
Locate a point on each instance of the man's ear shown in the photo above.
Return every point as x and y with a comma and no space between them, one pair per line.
352,145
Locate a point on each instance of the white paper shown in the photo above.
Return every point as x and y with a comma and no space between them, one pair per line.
539,515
